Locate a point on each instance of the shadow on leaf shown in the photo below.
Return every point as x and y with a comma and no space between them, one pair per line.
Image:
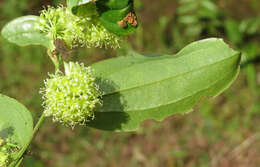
110,115
6,132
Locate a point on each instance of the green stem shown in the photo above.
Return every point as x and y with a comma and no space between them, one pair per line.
56,62
35,130
38,124
54,59
12,145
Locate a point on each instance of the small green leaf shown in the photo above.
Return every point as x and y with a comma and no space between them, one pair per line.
141,87
22,31
15,121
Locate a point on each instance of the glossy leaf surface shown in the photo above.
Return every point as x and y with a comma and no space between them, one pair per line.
22,31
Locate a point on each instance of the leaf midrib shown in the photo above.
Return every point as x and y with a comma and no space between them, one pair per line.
176,100
174,56
139,86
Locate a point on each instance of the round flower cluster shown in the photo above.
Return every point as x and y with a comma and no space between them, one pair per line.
6,149
61,23
71,97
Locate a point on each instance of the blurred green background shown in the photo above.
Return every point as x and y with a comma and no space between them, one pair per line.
221,132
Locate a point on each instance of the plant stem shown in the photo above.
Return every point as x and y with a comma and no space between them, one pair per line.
38,124
19,157
54,59
35,130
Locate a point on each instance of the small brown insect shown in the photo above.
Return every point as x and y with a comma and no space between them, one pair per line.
129,19
61,48
122,23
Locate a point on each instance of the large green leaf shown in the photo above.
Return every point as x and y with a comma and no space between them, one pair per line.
141,87
22,31
16,121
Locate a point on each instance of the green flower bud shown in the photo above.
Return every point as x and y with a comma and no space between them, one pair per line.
76,31
70,98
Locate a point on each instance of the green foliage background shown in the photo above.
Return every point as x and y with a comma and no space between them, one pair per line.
209,136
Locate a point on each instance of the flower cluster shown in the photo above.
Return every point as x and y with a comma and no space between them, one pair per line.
71,97
6,149
61,23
